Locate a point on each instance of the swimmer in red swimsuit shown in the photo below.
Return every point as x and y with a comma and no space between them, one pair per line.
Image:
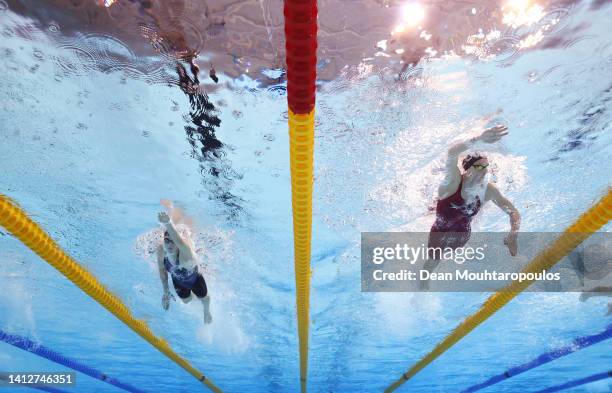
462,195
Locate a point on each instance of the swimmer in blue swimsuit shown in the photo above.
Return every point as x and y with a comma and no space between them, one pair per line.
175,256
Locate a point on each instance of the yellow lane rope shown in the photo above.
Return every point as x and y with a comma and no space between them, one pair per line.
17,222
301,144
588,223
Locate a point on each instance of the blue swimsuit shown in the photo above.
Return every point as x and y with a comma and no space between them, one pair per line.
181,275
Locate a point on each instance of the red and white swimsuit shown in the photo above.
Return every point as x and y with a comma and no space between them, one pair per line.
453,214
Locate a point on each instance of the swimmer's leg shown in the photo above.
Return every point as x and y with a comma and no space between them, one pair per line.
609,310
430,265
206,306
437,242
201,291
181,291
186,299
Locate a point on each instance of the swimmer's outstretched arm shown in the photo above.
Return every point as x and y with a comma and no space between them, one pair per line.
453,174
163,276
174,235
493,194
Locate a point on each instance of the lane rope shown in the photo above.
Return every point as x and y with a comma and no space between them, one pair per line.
28,345
577,382
547,357
301,48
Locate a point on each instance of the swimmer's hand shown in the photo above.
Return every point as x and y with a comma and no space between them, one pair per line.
163,217
166,300
511,241
493,134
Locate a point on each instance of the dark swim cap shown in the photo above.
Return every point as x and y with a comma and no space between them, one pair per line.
469,160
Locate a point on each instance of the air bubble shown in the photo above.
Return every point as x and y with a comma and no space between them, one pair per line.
3,5
269,137
39,55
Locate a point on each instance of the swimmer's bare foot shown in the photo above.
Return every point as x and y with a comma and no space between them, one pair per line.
206,305
207,318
